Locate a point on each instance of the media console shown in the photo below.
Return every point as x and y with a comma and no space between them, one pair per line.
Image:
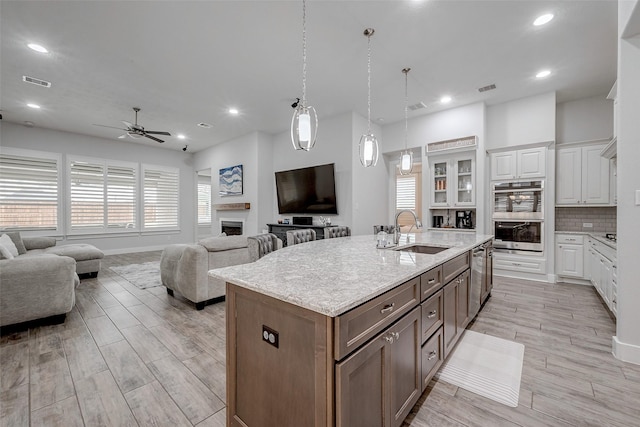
280,230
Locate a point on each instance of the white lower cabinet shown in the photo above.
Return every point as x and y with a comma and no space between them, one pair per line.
601,260
570,255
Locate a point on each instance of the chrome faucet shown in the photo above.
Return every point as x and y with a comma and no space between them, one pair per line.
396,230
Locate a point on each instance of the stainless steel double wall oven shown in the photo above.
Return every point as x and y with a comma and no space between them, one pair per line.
518,215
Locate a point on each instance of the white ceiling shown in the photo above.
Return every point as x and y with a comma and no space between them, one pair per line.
186,62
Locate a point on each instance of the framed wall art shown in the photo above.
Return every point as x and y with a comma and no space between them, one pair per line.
231,181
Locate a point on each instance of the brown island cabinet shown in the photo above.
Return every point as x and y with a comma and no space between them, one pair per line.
291,366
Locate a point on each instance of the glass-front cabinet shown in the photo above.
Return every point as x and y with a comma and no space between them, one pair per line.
453,181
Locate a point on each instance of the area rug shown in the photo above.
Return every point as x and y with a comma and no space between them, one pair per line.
486,365
143,276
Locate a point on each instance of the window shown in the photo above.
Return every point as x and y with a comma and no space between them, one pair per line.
406,192
160,197
102,195
29,196
204,200
408,196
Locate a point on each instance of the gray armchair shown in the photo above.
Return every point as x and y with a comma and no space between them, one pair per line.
300,236
337,231
262,244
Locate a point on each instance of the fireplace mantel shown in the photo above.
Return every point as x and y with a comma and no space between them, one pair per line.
232,206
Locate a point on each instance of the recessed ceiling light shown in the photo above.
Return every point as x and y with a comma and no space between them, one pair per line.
543,19
181,136
542,74
37,48
31,105
445,99
234,111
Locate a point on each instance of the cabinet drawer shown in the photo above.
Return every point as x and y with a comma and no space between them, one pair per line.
356,326
431,315
574,239
432,357
530,266
430,282
453,267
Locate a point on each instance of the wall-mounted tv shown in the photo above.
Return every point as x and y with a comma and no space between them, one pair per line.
309,190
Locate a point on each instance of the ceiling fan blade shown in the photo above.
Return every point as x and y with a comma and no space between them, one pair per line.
127,124
155,132
154,138
122,136
105,126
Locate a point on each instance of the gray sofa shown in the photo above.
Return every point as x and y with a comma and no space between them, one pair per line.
36,286
39,280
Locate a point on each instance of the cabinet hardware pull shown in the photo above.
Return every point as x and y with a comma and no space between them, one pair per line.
517,264
432,314
431,355
389,339
387,308
431,281
396,335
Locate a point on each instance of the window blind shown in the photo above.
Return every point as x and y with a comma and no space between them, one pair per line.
121,197
406,192
160,195
86,194
204,203
29,197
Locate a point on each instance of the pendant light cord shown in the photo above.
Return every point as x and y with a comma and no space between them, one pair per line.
406,107
304,53
369,83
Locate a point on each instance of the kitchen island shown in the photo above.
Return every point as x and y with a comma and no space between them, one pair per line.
339,333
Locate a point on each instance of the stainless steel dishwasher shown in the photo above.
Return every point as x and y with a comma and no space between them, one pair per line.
478,279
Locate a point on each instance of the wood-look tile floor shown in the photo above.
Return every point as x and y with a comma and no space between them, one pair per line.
127,357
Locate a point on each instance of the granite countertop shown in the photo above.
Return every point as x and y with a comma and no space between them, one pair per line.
598,236
331,276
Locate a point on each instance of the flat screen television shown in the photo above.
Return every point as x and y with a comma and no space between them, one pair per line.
309,190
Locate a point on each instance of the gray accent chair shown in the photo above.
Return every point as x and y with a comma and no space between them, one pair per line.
262,244
300,236
337,231
185,267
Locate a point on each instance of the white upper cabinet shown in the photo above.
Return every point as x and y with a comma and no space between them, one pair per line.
453,181
518,164
582,176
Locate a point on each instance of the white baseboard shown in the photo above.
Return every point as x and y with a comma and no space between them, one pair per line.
536,277
625,352
133,250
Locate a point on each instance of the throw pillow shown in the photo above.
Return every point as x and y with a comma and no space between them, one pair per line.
4,253
16,238
8,243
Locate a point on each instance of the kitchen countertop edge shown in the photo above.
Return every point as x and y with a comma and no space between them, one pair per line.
333,276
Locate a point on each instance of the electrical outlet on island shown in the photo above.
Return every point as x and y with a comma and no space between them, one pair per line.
587,225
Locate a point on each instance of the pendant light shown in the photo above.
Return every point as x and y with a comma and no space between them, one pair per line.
406,158
368,141
304,124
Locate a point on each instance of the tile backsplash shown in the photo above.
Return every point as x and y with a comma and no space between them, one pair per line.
572,219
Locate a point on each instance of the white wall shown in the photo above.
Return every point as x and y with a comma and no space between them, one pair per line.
524,121
450,124
627,340
370,197
585,119
240,151
332,146
468,120
15,135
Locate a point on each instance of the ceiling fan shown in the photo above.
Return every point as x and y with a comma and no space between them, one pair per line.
134,130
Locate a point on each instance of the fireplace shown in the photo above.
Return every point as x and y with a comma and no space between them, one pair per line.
232,227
